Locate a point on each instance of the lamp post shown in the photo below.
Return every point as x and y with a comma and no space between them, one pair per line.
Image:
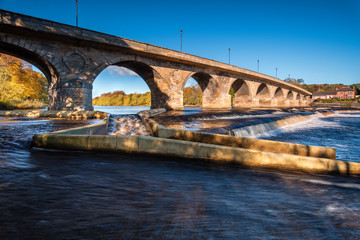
76,1
229,55
181,31
258,61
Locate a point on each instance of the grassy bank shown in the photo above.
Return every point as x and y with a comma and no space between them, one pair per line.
25,104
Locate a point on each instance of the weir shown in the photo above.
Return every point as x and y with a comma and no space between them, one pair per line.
197,145
263,128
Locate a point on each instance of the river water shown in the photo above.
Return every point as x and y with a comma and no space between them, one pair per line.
46,194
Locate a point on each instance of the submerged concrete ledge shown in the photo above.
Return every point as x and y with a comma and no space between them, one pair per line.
54,114
195,150
241,142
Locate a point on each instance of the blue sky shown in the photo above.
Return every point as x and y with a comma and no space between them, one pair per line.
317,40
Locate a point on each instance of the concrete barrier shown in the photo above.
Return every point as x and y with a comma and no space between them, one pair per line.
196,150
248,143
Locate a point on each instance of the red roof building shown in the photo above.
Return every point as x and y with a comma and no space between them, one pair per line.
342,93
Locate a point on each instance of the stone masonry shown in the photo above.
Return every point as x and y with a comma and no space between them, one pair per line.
71,58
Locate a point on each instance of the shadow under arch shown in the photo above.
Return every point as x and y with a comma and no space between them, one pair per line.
159,99
279,94
290,95
43,65
241,93
203,80
263,94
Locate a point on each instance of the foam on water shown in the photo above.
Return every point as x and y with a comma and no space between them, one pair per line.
242,116
336,184
258,130
340,131
130,124
313,122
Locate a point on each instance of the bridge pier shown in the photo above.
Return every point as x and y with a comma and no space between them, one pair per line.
76,95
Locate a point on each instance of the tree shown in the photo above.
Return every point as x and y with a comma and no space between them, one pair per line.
357,89
19,82
192,95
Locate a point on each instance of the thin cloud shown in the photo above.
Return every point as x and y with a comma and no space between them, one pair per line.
121,71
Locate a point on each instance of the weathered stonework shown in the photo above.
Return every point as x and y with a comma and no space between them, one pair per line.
71,58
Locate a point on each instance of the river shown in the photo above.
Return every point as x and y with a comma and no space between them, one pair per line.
48,194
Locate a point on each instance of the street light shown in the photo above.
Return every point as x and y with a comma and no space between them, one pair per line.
76,1
258,61
229,55
181,31
276,72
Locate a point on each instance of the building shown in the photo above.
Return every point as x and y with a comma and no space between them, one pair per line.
342,93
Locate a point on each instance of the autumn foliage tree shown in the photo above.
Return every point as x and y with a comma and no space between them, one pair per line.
19,82
119,98
193,96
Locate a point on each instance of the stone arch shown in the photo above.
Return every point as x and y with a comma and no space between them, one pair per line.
207,85
298,97
279,94
39,60
263,90
242,93
202,78
156,84
290,95
263,94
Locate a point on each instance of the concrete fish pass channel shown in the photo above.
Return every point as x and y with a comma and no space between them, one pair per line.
247,152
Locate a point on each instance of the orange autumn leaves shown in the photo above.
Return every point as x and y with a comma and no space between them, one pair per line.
19,82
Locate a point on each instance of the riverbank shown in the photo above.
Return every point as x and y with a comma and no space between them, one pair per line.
23,104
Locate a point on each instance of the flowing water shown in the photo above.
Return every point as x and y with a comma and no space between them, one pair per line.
340,131
47,194
127,124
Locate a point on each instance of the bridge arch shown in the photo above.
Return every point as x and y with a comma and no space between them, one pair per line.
263,94
205,82
152,78
290,96
242,93
279,94
202,78
43,64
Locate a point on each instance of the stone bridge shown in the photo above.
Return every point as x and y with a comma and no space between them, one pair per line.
71,58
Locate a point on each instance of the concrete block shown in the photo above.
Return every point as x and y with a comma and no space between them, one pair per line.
102,143
78,142
248,143
127,143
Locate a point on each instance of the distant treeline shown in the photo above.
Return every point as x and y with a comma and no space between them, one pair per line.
330,87
321,87
119,98
192,96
